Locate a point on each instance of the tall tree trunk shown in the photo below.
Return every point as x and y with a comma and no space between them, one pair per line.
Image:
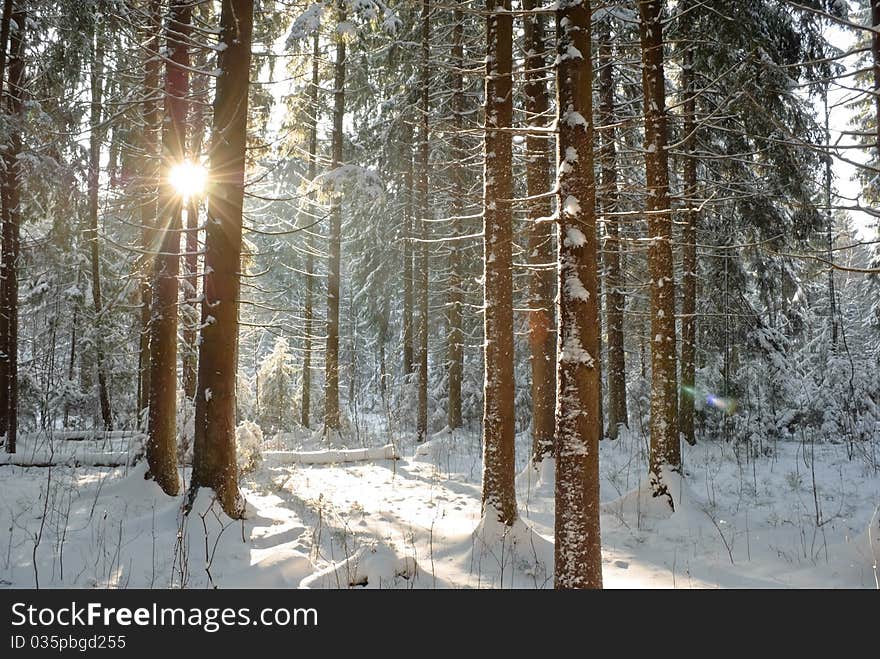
331,358
499,498
162,438
455,338
96,133
578,425
11,221
214,445
198,91
149,174
314,115
408,236
665,445
4,313
689,253
542,325
875,51
424,210
614,298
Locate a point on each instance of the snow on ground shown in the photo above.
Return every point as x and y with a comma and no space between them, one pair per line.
778,515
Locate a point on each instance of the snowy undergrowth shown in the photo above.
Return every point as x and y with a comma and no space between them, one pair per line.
105,528
772,514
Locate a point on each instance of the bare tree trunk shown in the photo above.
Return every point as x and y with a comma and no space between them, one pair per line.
614,298
190,284
424,210
149,175
578,425
95,137
310,257
875,51
7,245
455,338
542,285
689,253
11,227
214,446
408,250
162,438
665,445
331,358
499,498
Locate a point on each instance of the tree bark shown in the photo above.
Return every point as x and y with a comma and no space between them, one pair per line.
313,118
331,358
689,253
149,173
11,222
875,51
96,134
190,284
408,250
161,446
424,211
578,425
4,313
455,338
615,301
499,498
542,286
214,446
665,446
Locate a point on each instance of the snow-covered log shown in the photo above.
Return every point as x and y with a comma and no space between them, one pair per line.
44,458
386,452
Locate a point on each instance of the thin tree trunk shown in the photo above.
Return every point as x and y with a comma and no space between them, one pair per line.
11,227
4,313
310,257
542,285
578,425
614,298
214,445
149,166
162,437
199,89
689,253
875,51
408,250
665,446
424,210
331,358
455,338
95,137
499,498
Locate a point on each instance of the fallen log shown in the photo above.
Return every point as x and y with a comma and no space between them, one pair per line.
332,456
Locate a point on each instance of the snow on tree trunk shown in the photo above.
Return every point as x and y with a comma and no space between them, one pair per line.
542,285
578,555
498,397
665,446
214,462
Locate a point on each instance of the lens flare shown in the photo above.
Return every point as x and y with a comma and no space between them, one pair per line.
726,405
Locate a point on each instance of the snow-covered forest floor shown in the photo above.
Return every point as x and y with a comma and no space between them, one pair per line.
786,514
